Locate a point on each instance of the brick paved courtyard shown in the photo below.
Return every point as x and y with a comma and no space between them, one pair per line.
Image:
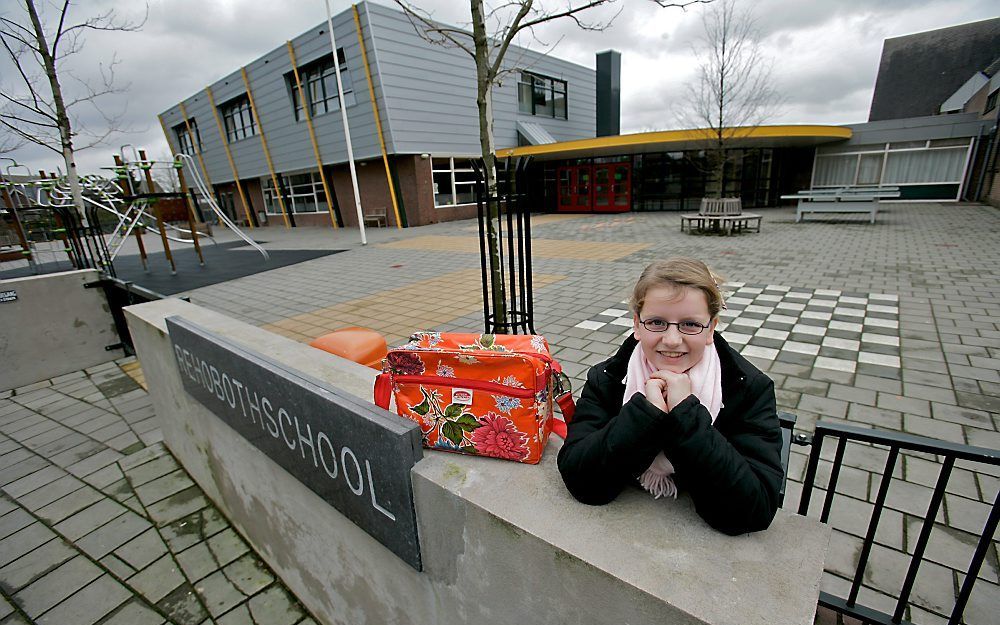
888,325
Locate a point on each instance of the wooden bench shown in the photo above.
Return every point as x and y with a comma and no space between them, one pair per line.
721,215
841,200
376,216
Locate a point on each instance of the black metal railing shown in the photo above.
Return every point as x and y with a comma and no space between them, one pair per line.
120,294
84,245
897,442
507,288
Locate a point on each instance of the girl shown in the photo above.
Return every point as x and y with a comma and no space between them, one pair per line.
678,407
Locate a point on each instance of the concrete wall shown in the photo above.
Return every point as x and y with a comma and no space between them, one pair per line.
501,542
54,327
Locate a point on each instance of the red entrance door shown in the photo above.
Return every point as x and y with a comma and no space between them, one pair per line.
603,188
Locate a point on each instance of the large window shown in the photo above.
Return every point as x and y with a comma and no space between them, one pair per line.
303,193
238,119
541,95
319,81
454,181
939,161
184,139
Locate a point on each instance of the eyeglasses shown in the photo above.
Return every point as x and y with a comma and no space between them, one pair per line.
684,327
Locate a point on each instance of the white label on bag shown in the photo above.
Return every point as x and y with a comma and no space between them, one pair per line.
461,396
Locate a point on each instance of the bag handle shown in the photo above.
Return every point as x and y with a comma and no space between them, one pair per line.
563,392
383,390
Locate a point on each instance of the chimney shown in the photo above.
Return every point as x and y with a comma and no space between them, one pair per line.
609,93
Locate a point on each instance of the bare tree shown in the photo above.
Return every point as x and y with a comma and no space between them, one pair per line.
734,90
494,27
37,110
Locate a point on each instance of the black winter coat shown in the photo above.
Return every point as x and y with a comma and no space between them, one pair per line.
732,470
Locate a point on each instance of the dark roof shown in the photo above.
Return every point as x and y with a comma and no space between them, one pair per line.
918,72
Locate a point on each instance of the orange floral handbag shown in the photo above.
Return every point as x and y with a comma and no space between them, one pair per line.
480,394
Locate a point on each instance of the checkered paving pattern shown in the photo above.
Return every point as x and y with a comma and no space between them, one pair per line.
824,328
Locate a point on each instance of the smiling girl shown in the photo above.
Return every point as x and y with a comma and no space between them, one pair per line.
678,407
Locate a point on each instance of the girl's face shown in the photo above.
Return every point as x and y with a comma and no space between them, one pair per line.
671,350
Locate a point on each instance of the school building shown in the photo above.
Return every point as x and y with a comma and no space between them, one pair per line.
411,106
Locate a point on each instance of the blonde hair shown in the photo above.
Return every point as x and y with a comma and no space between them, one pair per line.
679,273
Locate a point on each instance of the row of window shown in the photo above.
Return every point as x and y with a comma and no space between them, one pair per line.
922,162
319,82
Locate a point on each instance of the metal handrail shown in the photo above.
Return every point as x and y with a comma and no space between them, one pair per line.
897,442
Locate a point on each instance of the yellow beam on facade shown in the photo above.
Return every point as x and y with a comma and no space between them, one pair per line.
378,123
312,131
263,143
229,155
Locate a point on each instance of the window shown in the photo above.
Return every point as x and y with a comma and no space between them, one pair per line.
238,119
454,181
303,193
319,81
991,101
541,95
943,165
184,138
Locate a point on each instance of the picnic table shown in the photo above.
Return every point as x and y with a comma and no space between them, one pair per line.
841,200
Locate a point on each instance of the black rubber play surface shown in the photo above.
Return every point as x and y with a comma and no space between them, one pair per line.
222,263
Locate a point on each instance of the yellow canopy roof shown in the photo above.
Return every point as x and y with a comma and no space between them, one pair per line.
677,140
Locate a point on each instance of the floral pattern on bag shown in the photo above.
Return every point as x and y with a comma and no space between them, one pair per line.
459,399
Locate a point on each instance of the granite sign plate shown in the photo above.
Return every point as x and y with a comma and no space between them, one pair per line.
353,454
8,296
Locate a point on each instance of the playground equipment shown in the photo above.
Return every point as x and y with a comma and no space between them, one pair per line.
136,208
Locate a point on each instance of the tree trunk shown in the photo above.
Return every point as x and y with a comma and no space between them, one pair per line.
484,101
65,131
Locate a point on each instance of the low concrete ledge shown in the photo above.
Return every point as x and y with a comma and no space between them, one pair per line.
53,325
501,542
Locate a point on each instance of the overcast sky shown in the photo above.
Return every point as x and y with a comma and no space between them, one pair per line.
825,54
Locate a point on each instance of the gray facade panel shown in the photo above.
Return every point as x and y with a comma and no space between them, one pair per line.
426,94
957,126
431,92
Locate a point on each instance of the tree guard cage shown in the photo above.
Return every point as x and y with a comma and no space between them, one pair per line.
506,275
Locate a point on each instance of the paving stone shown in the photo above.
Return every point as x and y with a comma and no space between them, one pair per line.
162,487
983,602
54,491
95,462
853,516
962,416
951,548
197,562
29,567
36,480
112,535
50,589
966,514
90,518
248,574
89,604
72,503
933,428
21,469
135,613
150,470
823,405
878,417
218,593
275,606
24,541
184,606
177,506
142,550
118,567
227,545
907,405
157,580
13,521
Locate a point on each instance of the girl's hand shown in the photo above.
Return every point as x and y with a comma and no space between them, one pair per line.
656,393
677,387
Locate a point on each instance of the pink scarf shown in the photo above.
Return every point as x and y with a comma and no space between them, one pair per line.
706,384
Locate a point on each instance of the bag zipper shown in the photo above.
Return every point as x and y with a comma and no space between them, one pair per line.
492,387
